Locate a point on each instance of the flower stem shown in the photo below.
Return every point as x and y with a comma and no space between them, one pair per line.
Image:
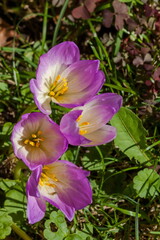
20,232
59,22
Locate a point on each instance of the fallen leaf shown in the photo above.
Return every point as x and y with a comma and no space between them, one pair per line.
6,32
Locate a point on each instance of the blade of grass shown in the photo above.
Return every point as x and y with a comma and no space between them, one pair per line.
99,44
137,222
119,88
44,30
59,22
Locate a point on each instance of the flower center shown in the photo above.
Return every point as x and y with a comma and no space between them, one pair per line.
47,178
82,125
59,87
35,139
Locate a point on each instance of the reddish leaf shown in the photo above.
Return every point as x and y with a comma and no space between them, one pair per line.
121,14
90,5
81,12
156,75
138,61
107,18
120,8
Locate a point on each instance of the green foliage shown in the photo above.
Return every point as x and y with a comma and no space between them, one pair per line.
58,219
5,224
15,200
131,135
123,55
147,183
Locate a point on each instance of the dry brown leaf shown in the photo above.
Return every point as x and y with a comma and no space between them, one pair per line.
6,32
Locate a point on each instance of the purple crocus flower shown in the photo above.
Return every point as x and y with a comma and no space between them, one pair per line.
86,125
65,79
37,140
62,184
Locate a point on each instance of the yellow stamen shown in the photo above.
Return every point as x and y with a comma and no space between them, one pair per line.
26,141
51,94
41,183
46,167
34,135
32,143
39,133
84,123
37,144
47,178
82,132
50,184
79,118
59,87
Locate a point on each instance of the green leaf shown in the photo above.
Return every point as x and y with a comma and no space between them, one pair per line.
147,183
131,135
59,220
5,224
15,200
86,233
74,236
6,184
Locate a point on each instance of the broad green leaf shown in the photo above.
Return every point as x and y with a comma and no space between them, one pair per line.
15,200
5,224
6,184
131,135
147,183
59,220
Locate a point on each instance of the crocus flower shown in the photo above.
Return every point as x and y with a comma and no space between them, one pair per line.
65,79
37,140
86,125
62,184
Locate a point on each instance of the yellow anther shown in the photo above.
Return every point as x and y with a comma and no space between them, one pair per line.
32,143
82,132
39,133
46,167
59,87
51,93
63,90
50,184
57,78
26,141
37,144
84,123
34,135
79,118
41,182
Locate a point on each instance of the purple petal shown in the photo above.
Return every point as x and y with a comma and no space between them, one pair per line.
103,135
79,195
32,184
36,208
111,100
67,210
42,100
61,55
83,84
70,129
72,190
